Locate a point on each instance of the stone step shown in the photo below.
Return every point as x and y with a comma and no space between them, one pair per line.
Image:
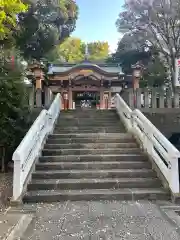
79,174
93,165
90,145
95,130
89,110
94,136
107,183
89,119
89,141
96,194
88,122
90,115
93,158
92,128
88,151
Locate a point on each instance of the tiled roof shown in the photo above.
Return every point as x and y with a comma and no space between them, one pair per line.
66,67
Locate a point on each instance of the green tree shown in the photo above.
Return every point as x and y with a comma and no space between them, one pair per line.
8,16
14,113
44,26
71,50
130,51
155,74
98,50
158,22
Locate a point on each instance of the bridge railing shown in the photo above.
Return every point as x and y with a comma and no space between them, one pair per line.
30,147
163,153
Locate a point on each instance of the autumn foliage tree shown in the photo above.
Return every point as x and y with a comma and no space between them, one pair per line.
72,50
98,50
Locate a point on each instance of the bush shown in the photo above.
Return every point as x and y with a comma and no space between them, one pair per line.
14,112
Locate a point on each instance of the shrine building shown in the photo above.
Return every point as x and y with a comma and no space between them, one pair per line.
97,83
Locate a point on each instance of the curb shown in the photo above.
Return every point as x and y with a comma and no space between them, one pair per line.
19,229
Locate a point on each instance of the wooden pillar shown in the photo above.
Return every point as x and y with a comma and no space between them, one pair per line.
101,98
66,102
62,100
70,98
38,92
109,100
106,100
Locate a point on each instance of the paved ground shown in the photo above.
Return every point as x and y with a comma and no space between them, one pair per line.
102,220
5,190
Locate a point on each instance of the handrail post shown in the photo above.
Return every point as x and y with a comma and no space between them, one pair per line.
17,185
174,175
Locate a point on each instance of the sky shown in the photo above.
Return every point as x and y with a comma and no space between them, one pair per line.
96,21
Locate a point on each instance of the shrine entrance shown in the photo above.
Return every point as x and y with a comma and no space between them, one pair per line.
86,83
86,98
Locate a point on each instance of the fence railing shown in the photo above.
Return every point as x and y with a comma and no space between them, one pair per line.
163,153
30,147
152,98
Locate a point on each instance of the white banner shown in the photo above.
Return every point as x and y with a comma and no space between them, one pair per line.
177,72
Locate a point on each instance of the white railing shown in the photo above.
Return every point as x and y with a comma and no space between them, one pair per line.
30,147
164,154
124,111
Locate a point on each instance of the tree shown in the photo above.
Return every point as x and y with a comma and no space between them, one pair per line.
14,112
8,16
98,50
158,23
45,25
155,74
71,50
130,51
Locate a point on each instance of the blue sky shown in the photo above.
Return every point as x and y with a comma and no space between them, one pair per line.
97,21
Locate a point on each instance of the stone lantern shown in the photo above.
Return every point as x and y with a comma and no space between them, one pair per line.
137,74
37,70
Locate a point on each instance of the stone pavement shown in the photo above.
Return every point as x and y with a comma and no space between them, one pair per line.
103,220
13,224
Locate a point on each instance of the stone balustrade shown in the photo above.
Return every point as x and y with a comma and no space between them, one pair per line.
152,98
28,151
164,155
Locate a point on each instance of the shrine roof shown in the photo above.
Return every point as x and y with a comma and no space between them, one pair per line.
67,67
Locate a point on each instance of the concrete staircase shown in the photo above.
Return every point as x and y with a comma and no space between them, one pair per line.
91,157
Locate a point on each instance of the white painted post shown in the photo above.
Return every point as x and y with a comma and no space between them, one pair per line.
174,176
17,179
